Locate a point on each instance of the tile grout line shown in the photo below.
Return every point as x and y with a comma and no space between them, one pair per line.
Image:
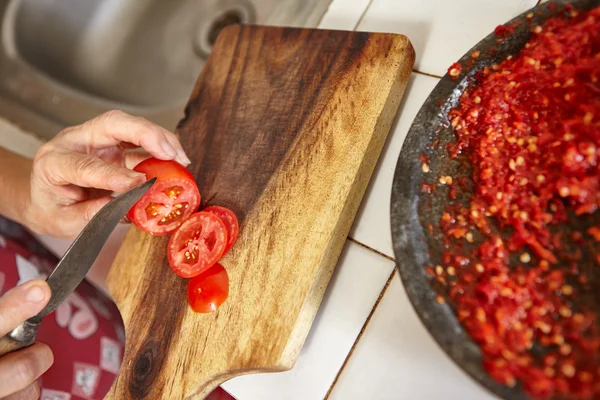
362,16
427,74
323,16
394,271
389,281
371,249
439,77
360,19
360,334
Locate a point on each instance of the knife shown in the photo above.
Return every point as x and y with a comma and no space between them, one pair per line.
75,264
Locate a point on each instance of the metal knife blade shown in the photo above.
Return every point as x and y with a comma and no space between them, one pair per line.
78,259
75,264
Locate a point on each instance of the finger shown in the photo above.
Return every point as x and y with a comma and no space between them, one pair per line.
21,303
87,209
31,392
21,368
75,217
181,158
114,127
133,158
69,168
127,146
95,193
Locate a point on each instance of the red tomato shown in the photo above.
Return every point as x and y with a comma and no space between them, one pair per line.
197,245
172,199
207,291
230,221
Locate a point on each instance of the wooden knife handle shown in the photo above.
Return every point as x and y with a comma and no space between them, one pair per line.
22,336
8,345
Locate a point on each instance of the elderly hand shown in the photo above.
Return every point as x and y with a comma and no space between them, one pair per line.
20,370
74,174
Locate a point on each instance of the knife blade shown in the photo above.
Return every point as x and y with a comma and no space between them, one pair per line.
75,263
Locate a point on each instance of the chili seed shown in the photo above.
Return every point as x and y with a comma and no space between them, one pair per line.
542,326
585,376
568,370
565,312
578,318
565,349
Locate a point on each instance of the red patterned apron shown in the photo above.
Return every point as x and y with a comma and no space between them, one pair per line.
85,333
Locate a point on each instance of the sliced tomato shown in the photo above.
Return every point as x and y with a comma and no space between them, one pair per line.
197,245
170,201
230,221
207,291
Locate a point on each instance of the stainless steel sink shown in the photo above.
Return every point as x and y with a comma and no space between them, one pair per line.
65,61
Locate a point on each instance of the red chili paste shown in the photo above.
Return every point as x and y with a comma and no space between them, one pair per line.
530,129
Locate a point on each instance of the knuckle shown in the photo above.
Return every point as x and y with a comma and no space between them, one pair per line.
113,115
84,163
43,154
33,391
64,133
25,370
7,322
12,309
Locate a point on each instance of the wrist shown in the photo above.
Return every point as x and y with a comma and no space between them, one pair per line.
15,176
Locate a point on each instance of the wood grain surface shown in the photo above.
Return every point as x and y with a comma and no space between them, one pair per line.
284,127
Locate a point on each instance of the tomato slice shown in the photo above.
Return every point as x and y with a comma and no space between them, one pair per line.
230,221
197,245
207,291
170,201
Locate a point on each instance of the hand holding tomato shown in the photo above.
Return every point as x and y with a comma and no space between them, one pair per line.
74,174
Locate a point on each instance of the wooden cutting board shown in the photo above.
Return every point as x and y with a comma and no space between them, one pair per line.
284,127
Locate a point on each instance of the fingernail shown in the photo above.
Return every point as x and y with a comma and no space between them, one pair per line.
35,294
183,159
168,148
137,177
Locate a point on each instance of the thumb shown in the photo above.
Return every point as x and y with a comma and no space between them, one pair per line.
21,303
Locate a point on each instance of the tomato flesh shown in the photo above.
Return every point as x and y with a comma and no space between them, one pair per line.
172,199
207,291
197,245
230,221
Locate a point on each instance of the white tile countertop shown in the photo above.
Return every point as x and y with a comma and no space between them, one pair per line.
367,341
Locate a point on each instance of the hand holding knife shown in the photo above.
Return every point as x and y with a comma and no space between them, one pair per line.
75,264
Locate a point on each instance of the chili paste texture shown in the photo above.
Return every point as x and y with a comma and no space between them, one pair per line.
522,253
